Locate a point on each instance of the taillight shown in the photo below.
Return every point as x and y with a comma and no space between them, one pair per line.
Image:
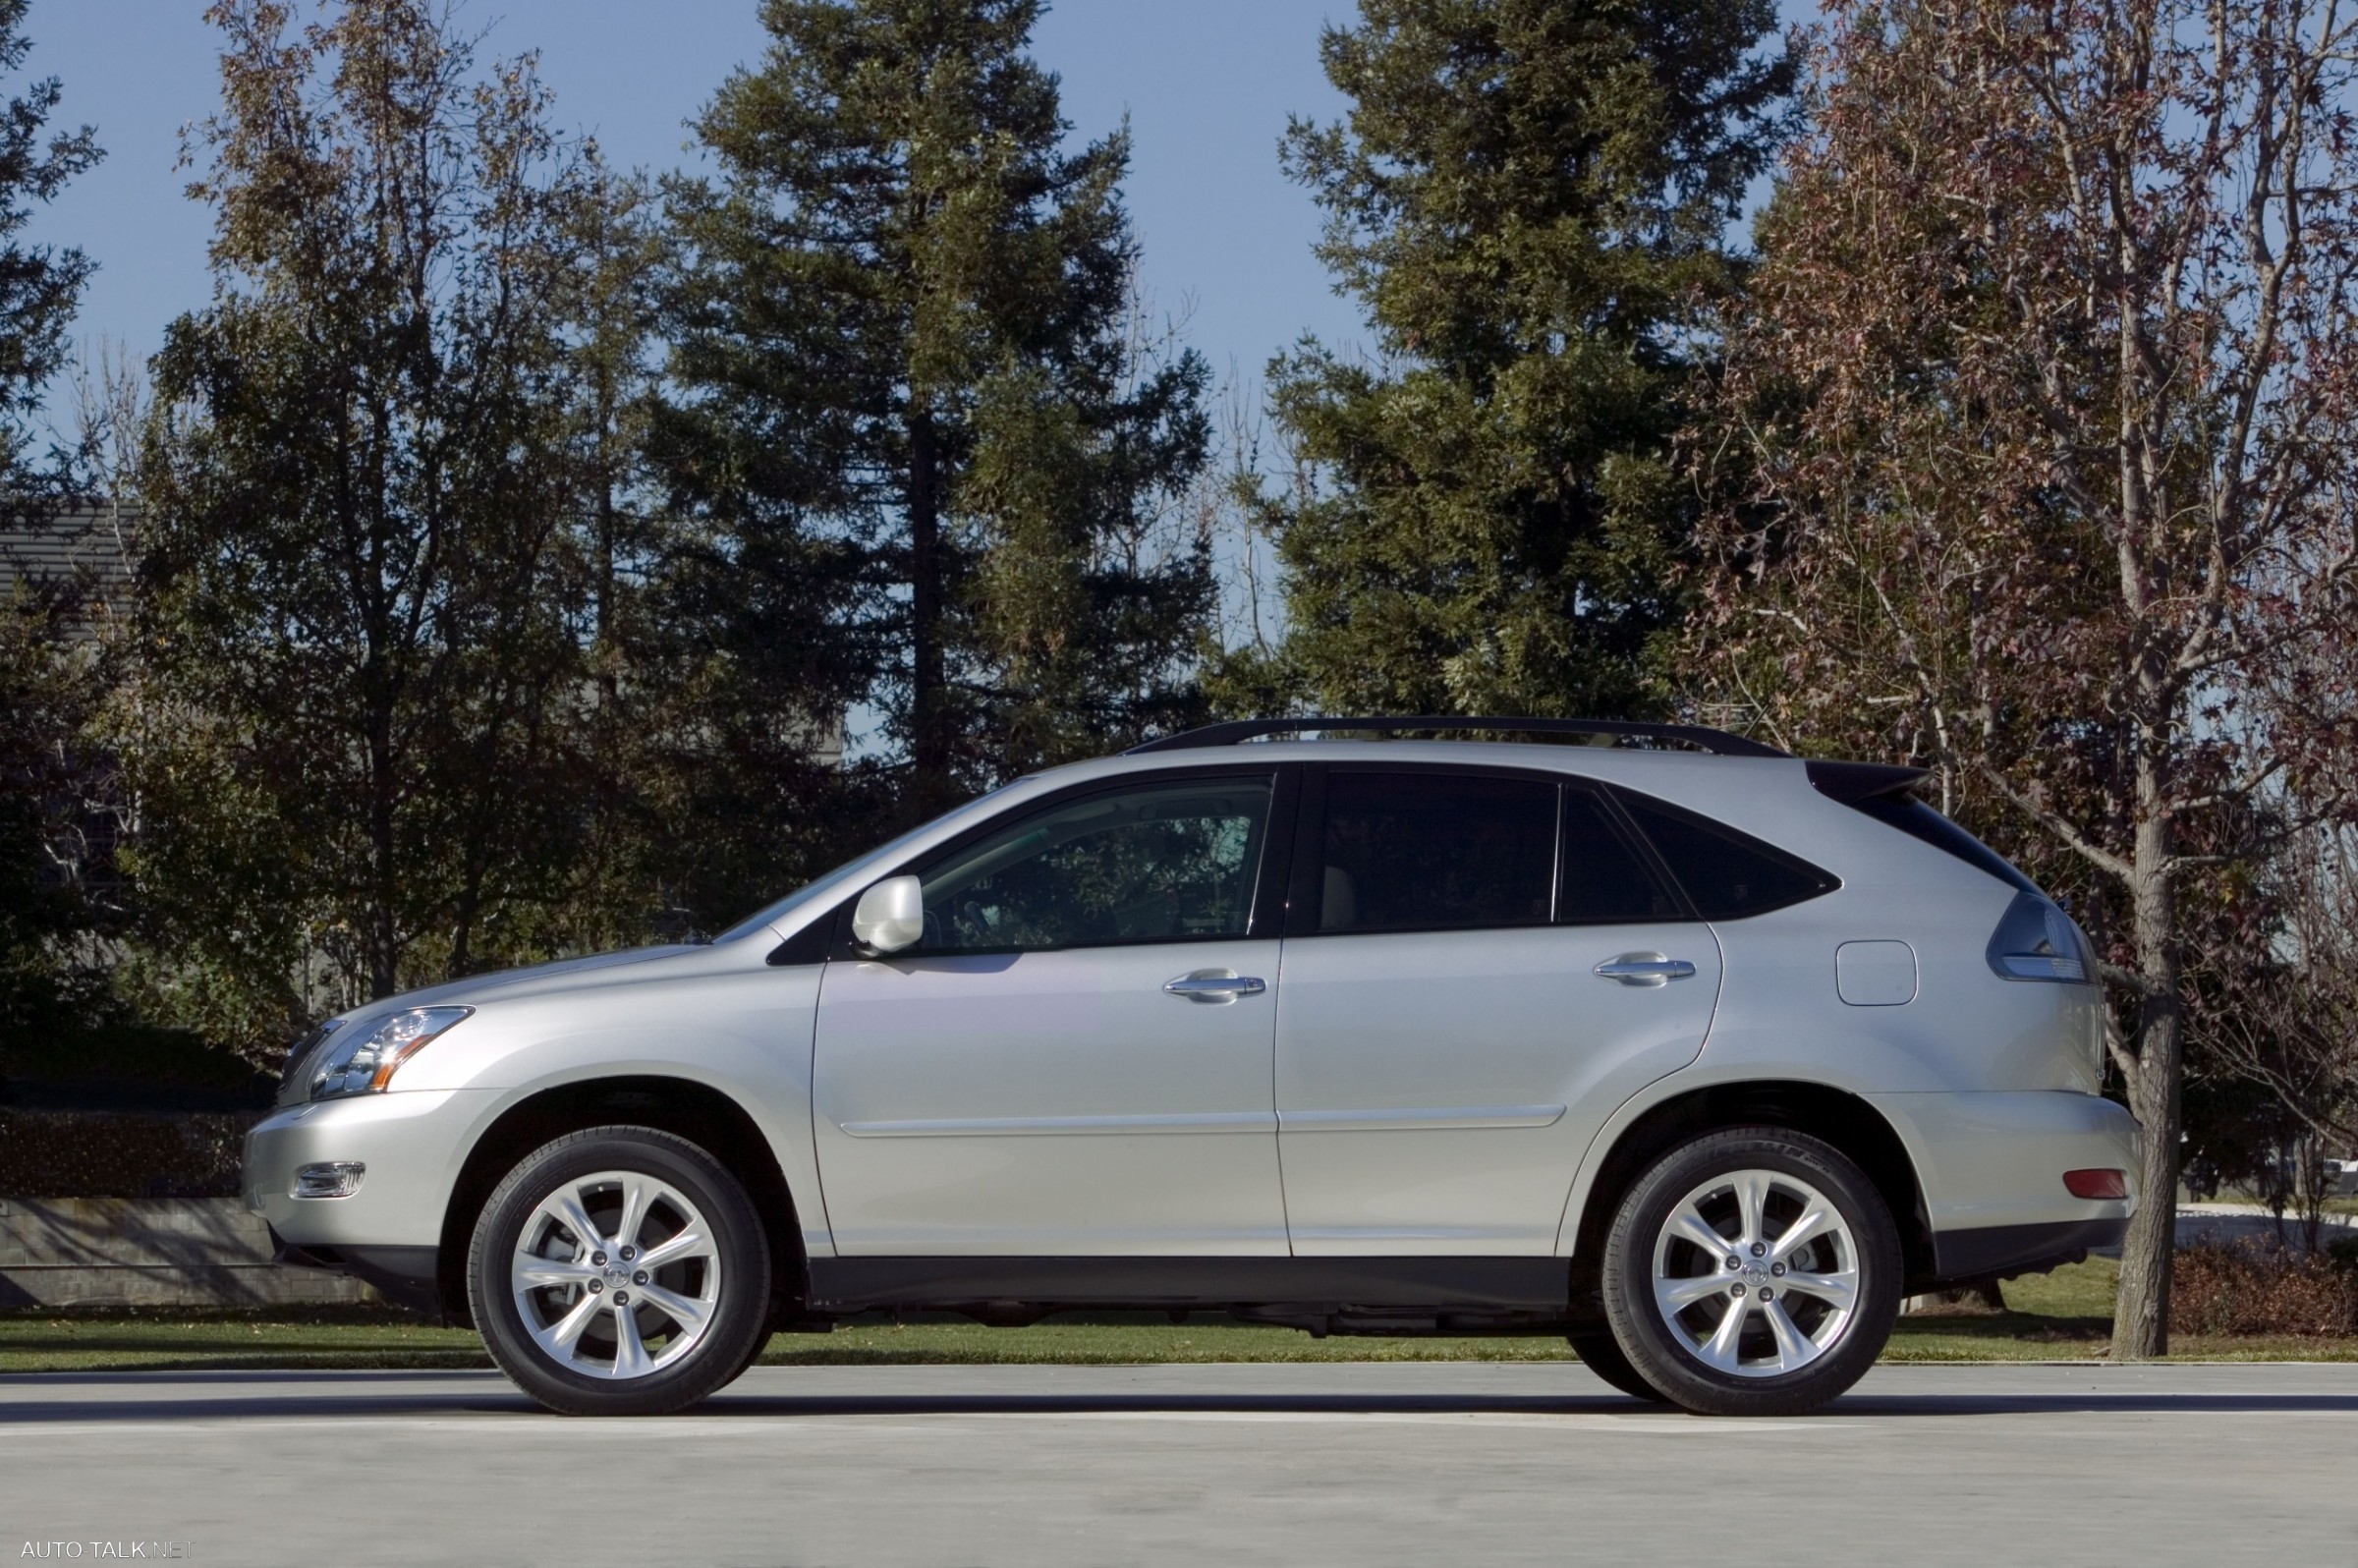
2037,941
2101,1184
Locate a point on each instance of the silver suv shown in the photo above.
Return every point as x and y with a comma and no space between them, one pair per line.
1695,1053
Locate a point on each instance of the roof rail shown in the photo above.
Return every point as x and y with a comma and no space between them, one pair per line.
1720,742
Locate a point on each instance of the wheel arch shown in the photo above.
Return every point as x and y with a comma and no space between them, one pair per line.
1831,1115
699,1112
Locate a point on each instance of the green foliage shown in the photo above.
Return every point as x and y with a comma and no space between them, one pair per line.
49,673
355,735
40,285
53,830
1527,198
935,467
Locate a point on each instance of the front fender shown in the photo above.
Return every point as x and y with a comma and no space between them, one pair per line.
746,1036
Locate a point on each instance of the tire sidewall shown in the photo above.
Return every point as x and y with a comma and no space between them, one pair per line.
1650,1344
1602,1354
745,1266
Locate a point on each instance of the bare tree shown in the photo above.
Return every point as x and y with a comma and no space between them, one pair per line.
2285,1016
2047,416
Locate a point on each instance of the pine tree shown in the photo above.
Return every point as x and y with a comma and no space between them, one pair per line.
1525,198
915,415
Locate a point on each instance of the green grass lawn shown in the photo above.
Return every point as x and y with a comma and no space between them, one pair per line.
2063,1315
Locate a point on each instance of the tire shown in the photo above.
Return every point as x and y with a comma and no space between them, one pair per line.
752,1354
1766,1319
550,1302
1601,1354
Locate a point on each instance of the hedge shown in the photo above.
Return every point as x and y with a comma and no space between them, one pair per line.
93,1154
2256,1288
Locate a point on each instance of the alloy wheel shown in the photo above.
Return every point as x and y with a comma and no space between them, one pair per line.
1756,1273
616,1274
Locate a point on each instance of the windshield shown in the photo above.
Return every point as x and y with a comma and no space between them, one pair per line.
852,871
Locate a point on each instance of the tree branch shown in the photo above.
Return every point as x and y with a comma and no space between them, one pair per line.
2102,859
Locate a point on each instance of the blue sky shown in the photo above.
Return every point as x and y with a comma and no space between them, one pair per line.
1208,85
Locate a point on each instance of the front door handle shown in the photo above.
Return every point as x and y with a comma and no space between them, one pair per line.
1646,969
1213,986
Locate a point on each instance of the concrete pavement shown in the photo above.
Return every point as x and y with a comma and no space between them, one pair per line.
1444,1464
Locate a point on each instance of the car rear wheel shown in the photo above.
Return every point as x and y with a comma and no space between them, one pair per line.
619,1271
1751,1272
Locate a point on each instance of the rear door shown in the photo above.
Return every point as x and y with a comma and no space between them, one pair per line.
1446,1044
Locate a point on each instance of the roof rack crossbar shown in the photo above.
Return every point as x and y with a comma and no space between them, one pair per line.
1720,742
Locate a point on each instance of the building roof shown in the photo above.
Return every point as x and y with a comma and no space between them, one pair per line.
82,547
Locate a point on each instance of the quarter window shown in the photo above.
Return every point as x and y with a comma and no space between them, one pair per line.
1726,874
1168,862
1435,852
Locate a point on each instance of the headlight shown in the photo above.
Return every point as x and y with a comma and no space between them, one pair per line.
365,1063
303,1047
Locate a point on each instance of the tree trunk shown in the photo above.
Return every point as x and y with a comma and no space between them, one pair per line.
2141,1315
2309,1189
383,938
928,740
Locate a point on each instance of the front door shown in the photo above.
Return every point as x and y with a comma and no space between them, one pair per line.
1076,1059
1445,1047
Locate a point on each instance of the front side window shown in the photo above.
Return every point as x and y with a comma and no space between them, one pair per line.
1167,862
1430,852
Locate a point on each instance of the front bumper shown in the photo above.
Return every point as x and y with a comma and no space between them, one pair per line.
407,1276
1992,1170
412,1144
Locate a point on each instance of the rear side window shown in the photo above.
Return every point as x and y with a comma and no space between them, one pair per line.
1726,874
1435,852
1604,881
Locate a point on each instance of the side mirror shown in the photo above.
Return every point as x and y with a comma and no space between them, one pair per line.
890,916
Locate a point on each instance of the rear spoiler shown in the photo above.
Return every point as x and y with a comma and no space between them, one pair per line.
1853,783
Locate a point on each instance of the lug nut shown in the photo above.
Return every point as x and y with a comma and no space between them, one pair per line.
639,1278
1736,1290
1767,1294
1759,1249
597,1286
1733,1262
629,1253
600,1259
622,1298
1777,1270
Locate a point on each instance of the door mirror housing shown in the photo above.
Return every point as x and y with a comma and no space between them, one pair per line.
890,916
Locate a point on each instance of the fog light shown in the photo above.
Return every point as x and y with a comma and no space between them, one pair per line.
340,1178
2108,1184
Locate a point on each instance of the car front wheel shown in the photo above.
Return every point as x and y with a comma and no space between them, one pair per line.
1601,1354
619,1271
1751,1272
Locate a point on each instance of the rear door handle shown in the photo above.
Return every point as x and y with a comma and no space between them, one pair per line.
1203,986
1646,969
